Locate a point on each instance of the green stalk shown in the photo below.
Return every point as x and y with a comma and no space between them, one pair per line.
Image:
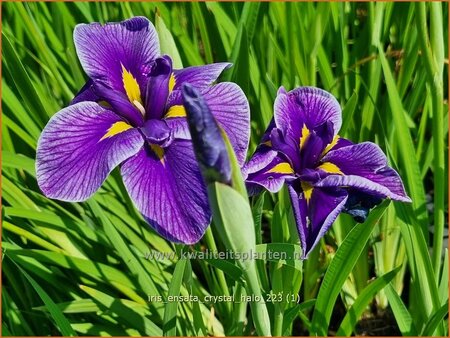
278,306
433,60
209,238
237,232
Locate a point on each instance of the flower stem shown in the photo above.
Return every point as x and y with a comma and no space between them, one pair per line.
259,309
209,238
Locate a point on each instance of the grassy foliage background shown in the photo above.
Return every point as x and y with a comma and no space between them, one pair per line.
81,269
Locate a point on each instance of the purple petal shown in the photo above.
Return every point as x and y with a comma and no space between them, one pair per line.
78,149
366,166
362,184
199,76
169,192
316,216
104,49
119,103
157,89
306,106
229,106
86,93
267,169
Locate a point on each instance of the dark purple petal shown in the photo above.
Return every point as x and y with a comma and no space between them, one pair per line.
169,192
157,132
86,93
362,184
307,107
104,50
367,161
230,108
209,145
315,144
199,76
79,147
267,169
158,87
120,104
286,145
322,206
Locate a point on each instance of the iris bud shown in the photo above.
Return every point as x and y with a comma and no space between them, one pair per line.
209,145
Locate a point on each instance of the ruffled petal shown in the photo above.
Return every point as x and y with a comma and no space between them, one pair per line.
105,50
199,76
366,167
79,147
266,169
307,107
229,106
315,211
168,189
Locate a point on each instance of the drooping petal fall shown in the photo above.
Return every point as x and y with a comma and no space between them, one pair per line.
315,210
365,167
166,186
79,147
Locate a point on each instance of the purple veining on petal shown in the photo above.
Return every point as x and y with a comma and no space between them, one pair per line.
331,174
199,76
230,108
170,194
368,161
75,153
104,49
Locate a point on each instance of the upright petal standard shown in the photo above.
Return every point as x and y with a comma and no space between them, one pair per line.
325,173
130,114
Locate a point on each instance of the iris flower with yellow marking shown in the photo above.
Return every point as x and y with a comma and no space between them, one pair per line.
325,174
130,113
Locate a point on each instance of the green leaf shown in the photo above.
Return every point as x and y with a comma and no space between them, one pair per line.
401,313
284,253
60,320
340,268
134,315
363,300
170,312
167,43
435,320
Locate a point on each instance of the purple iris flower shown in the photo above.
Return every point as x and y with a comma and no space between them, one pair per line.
325,173
130,113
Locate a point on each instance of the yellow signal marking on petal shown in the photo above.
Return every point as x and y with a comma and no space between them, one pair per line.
172,82
331,145
131,86
307,190
158,151
176,111
330,168
281,168
116,128
268,143
304,137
